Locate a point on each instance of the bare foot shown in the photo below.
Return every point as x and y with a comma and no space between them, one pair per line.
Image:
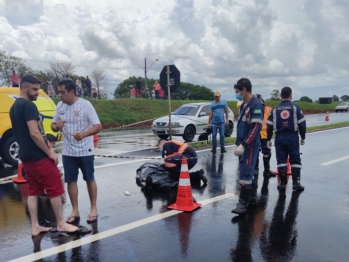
37,230
67,228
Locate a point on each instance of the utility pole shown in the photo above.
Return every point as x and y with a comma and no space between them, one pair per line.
145,72
168,72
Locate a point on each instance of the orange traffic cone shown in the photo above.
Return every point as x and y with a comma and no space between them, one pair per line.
184,201
95,137
19,178
327,117
289,172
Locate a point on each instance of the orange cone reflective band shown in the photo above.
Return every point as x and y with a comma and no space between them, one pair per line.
184,200
19,178
327,118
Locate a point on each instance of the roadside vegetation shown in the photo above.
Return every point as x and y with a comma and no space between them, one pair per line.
121,111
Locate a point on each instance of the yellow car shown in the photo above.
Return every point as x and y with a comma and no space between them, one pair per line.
8,145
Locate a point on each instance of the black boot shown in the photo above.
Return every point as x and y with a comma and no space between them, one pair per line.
266,163
283,180
149,185
213,150
296,178
253,195
243,201
202,176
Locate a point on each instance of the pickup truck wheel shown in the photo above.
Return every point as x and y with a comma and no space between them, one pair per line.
9,151
189,133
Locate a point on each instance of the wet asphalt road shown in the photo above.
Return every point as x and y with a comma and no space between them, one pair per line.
311,226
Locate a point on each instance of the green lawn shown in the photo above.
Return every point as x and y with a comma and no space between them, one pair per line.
126,111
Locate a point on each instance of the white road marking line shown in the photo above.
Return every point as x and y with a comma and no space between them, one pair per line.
116,164
334,161
7,178
111,232
318,132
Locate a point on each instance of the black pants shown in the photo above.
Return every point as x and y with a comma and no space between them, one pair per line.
157,94
173,166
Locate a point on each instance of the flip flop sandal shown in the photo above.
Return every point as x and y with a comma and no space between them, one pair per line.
75,219
93,220
82,230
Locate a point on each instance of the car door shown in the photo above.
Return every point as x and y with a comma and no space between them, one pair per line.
202,118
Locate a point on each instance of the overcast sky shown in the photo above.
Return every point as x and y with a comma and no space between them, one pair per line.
299,43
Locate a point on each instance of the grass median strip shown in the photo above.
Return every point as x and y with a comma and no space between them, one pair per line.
231,140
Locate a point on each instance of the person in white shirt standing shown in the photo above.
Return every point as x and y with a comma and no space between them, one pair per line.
78,121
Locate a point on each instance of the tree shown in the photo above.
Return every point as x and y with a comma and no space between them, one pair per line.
306,99
345,98
7,65
98,76
123,89
275,95
335,98
192,92
184,91
62,68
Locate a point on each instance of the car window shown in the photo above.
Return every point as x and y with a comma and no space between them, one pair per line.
187,110
205,109
343,104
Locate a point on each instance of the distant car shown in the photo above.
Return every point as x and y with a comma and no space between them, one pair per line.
344,106
188,121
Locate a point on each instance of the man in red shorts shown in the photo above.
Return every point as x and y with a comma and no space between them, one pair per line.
39,162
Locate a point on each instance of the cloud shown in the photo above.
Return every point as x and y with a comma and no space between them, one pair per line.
302,44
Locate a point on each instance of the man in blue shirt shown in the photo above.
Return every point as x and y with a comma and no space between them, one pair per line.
218,109
287,120
247,140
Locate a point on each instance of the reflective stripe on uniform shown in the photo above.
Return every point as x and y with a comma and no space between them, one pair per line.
282,165
269,122
182,148
274,120
295,119
257,120
169,165
301,120
296,165
245,119
244,182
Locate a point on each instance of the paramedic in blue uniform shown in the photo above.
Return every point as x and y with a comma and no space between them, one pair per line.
173,152
288,122
247,140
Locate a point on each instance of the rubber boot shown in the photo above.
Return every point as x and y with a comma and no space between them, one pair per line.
283,180
253,194
296,177
243,201
266,163
213,150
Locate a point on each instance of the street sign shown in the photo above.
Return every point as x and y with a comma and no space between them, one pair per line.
175,78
